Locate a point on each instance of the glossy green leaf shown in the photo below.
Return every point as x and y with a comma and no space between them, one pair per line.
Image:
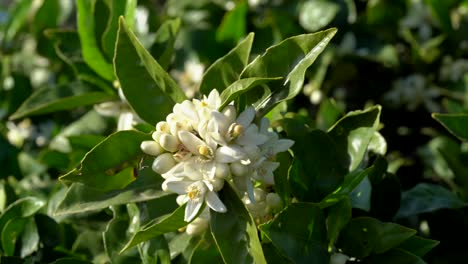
361,195
62,97
233,26
10,233
21,208
110,164
288,233
226,70
426,197
163,46
241,86
155,250
289,59
316,14
29,238
206,251
150,90
117,8
80,198
394,256
339,215
235,232
457,124
418,246
158,227
355,130
364,236
90,47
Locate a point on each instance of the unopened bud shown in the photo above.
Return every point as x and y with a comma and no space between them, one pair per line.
169,142
274,201
238,169
163,127
217,184
163,163
198,226
151,147
222,170
259,195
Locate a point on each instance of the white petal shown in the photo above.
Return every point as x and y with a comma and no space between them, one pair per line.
151,147
193,206
163,163
250,190
226,154
213,99
264,125
246,117
125,121
213,201
179,187
283,145
252,137
190,141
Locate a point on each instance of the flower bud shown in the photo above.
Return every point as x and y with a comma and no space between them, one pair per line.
222,170
163,127
151,147
169,142
238,169
163,163
197,226
156,135
217,184
259,195
273,201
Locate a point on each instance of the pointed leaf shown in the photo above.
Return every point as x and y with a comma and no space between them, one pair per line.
17,16
457,124
62,97
338,217
90,47
10,233
226,70
29,238
289,59
418,246
21,208
233,25
299,232
235,232
163,46
110,164
150,90
396,255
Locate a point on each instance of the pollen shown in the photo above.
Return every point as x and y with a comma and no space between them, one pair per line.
205,151
193,192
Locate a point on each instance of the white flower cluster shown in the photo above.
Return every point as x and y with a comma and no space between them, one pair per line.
198,147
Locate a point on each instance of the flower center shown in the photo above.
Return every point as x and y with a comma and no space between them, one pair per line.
194,192
205,152
235,130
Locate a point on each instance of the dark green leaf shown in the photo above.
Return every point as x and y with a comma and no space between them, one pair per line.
155,250
235,232
29,238
338,217
21,208
90,47
226,70
158,227
418,246
233,26
62,97
426,197
50,232
110,164
10,233
361,196
117,8
299,232
364,236
288,59
148,88
457,124
18,15
71,261
80,198
241,86
163,46
206,252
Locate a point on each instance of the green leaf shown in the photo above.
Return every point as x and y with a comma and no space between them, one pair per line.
338,217
426,197
110,164
226,70
360,197
163,46
70,261
289,59
206,252
364,236
394,256
155,250
299,232
355,130
80,198
21,208
315,14
233,26
241,86
158,227
117,8
17,16
457,124
418,246
29,238
150,90
235,232
62,97
10,233
90,47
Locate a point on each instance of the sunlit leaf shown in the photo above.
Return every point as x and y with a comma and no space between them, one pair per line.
117,8
457,124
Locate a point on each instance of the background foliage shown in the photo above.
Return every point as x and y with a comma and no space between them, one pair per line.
405,180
